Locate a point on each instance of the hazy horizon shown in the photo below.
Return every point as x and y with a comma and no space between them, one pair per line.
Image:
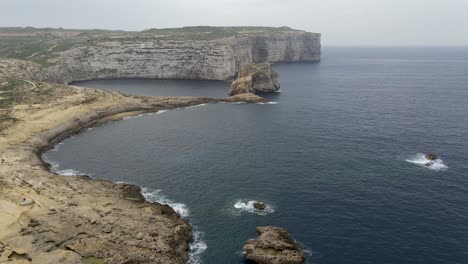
341,22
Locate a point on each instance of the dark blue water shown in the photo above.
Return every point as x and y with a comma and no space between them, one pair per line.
336,158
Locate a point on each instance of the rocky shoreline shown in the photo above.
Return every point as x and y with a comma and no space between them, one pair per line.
52,218
48,218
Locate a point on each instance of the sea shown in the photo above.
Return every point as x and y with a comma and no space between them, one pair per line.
337,155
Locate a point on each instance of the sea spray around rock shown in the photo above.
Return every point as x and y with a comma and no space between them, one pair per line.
241,206
197,246
421,160
156,196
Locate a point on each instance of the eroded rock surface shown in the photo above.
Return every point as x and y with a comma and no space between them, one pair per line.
48,218
246,97
211,53
255,78
274,245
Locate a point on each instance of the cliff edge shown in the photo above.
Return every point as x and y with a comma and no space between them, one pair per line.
209,53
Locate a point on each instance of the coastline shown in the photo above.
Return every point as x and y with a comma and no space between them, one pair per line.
60,218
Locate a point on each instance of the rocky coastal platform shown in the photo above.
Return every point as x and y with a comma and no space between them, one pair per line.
274,245
48,218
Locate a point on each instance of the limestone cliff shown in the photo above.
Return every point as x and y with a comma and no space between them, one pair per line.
208,53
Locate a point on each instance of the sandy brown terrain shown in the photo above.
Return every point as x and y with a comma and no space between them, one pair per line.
48,218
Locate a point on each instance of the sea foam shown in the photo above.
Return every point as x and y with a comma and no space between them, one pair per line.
268,103
241,206
70,172
188,107
145,114
420,159
156,196
197,246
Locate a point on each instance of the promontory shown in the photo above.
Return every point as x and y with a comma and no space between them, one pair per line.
48,218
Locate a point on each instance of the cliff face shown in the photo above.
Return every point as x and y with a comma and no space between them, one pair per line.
217,59
189,53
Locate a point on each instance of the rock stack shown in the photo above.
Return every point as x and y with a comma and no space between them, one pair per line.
274,245
255,78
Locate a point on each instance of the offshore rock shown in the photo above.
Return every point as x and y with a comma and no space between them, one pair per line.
274,245
255,78
259,206
431,156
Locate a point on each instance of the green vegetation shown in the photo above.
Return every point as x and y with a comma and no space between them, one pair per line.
21,92
208,33
252,68
9,95
6,119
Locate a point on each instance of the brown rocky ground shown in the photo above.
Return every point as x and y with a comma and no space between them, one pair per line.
48,218
274,245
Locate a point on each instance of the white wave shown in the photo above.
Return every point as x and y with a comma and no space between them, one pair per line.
70,172
57,146
90,128
197,247
194,106
241,206
145,114
269,103
307,251
238,103
156,196
54,166
420,159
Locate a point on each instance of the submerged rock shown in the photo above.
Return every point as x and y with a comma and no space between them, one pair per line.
255,78
431,156
274,245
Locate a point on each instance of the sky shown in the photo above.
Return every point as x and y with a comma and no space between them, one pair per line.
341,22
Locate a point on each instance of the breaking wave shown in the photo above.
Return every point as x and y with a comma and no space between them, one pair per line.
269,103
70,172
197,246
157,196
55,168
420,159
241,206
194,106
145,114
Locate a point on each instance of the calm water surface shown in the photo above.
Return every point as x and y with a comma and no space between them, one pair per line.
336,159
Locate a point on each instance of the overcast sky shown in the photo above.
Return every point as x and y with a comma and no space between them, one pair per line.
341,22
